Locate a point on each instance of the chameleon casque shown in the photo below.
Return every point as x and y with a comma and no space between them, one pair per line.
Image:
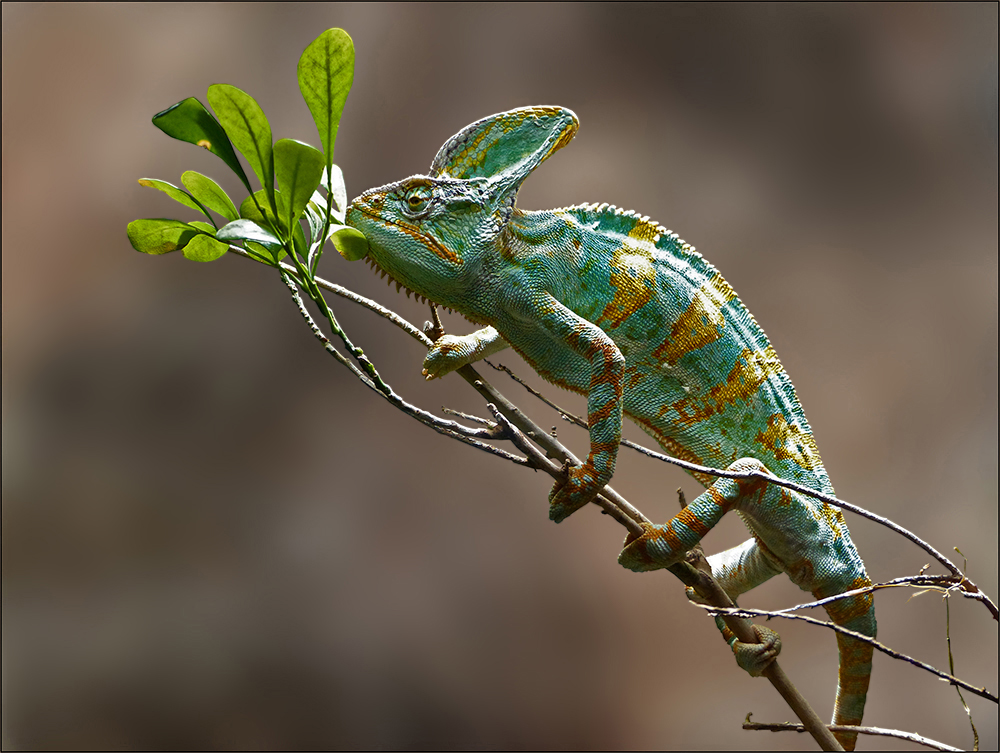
607,303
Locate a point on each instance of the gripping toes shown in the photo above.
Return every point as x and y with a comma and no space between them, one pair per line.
756,657
449,352
580,488
649,551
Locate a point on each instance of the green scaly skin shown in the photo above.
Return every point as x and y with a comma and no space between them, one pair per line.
611,305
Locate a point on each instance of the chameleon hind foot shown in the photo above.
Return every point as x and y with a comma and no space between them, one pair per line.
752,657
756,657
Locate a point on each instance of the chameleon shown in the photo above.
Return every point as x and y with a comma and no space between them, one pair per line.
612,305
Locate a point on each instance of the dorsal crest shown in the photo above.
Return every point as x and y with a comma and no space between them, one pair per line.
506,147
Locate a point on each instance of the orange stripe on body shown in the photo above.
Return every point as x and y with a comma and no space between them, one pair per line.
633,275
700,324
751,370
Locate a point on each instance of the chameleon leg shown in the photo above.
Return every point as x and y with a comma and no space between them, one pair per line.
739,569
742,568
604,401
664,545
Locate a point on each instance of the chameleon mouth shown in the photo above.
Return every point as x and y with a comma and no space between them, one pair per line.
428,242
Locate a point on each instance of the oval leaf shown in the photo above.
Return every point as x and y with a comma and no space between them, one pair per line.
298,168
210,193
252,206
190,121
249,130
265,253
350,243
175,193
203,248
248,230
204,227
334,184
326,72
315,219
160,236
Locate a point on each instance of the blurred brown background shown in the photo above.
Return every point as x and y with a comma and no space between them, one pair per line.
213,537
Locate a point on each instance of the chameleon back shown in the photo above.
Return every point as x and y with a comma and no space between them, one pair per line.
700,375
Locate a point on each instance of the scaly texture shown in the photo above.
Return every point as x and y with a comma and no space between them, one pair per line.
607,303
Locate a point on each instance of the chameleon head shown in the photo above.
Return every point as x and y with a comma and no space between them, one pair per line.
423,231
431,232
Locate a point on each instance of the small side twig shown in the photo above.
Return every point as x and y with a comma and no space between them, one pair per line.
743,612
878,731
448,428
949,583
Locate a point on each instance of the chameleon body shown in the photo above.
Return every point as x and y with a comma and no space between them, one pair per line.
611,305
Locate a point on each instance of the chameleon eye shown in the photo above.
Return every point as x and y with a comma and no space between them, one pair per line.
417,200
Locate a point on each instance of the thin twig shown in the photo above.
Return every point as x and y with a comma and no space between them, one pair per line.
466,416
982,692
950,583
448,428
968,588
878,731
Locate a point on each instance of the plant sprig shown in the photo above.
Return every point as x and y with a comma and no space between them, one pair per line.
298,181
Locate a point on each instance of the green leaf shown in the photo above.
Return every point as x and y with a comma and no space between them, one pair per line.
159,236
246,125
314,218
175,193
264,253
248,230
190,121
251,208
350,243
210,193
299,168
204,226
326,72
334,184
249,211
203,248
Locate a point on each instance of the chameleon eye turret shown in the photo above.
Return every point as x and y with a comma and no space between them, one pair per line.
417,201
612,305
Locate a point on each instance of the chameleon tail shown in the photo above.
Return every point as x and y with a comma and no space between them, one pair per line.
857,614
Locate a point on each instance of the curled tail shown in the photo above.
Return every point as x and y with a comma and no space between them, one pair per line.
856,613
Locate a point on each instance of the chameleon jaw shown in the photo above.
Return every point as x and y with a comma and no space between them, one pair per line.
378,269
389,279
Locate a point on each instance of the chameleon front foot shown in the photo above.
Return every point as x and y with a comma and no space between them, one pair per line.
447,354
579,488
650,551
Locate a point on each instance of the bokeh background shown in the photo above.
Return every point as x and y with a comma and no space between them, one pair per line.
214,538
